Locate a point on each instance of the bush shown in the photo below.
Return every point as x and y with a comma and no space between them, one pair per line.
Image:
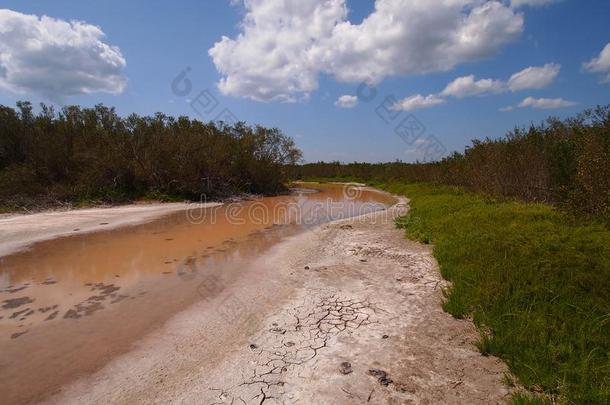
84,154
564,163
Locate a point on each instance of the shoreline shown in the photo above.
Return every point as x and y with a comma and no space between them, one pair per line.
346,311
142,266
18,232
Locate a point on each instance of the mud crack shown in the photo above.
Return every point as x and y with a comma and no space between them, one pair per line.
294,339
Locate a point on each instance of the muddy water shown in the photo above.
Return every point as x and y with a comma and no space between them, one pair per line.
69,305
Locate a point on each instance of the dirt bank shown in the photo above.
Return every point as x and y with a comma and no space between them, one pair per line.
18,231
347,313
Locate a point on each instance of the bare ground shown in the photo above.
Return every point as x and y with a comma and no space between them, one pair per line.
347,313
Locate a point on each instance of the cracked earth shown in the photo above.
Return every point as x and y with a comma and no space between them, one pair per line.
347,313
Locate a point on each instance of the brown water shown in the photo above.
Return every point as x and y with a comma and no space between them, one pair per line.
70,305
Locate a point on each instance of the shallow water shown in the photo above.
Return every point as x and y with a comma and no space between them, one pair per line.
68,306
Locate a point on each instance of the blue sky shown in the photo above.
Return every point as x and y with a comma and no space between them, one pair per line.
158,40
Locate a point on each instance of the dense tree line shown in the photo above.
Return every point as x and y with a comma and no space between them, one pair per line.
565,163
94,154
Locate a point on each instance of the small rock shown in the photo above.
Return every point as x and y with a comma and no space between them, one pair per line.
385,337
306,267
363,260
253,346
345,368
381,376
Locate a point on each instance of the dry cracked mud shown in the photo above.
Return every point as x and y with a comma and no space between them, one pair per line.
347,313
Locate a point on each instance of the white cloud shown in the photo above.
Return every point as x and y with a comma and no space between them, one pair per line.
507,108
546,103
56,58
347,101
284,45
534,77
467,86
600,64
269,59
418,101
532,3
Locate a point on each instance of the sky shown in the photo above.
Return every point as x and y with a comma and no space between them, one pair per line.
349,80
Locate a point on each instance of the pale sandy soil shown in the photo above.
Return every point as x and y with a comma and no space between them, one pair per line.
17,232
352,291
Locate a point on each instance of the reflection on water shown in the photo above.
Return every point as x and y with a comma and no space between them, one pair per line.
69,305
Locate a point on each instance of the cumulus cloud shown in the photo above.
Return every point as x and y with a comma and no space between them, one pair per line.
347,101
532,3
546,103
417,101
56,58
600,64
534,77
284,45
467,86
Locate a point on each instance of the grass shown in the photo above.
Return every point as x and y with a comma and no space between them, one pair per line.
535,281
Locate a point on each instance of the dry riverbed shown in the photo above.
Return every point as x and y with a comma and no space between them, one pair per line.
349,312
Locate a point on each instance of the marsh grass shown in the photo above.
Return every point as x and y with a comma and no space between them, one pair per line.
535,281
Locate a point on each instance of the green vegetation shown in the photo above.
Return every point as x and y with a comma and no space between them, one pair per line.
564,163
80,155
535,282
534,279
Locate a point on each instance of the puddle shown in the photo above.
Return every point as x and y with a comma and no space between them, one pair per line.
69,305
